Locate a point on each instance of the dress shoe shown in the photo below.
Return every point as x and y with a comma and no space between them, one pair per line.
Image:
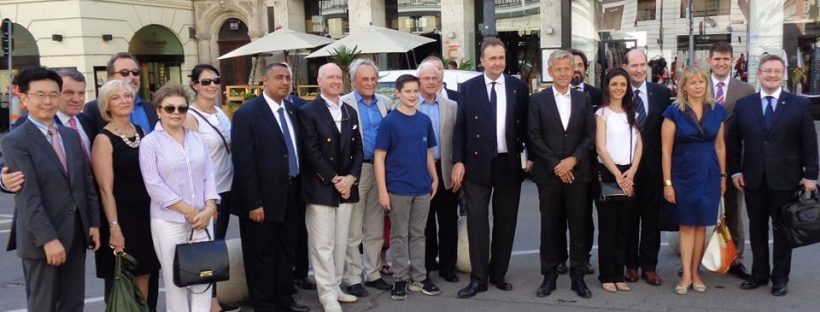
561,268
546,288
588,270
652,278
379,284
501,284
471,290
779,289
739,270
631,275
304,283
357,290
448,276
580,288
227,307
290,305
753,283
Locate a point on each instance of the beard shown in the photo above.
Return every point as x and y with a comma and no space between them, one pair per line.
577,79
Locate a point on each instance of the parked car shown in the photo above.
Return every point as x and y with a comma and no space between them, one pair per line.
452,80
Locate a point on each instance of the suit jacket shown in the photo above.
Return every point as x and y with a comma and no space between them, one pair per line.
595,96
51,199
447,111
453,95
549,143
259,154
92,109
329,152
659,98
786,153
474,141
737,89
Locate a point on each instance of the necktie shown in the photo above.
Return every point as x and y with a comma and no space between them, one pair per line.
768,116
55,143
639,107
293,166
72,122
493,99
720,99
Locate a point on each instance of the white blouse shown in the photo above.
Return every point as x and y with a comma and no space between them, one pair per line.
220,158
617,136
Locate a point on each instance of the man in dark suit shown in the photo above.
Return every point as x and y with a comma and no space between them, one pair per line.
124,66
726,92
56,212
772,153
644,238
488,139
265,136
561,130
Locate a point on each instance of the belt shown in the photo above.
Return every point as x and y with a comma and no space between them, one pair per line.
367,161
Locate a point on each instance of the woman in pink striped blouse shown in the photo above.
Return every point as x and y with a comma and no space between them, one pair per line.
178,176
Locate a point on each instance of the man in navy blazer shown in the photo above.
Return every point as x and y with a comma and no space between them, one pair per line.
772,149
265,154
488,139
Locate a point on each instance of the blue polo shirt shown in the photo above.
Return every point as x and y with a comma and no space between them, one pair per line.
139,117
432,111
371,119
406,140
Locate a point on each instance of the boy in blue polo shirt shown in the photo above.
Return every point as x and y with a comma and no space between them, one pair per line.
406,179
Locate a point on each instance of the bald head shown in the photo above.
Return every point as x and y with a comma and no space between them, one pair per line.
330,80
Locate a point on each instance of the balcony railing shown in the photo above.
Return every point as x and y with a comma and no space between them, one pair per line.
514,3
516,8
332,7
419,6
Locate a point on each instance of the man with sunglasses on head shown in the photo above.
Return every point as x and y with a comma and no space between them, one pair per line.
124,66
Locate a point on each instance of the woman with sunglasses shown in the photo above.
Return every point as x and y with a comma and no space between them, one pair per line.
206,118
125,202
177,171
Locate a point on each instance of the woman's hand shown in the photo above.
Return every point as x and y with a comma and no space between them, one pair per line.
116,241
669,194
202,219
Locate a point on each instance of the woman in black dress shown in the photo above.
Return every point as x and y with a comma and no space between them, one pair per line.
125,202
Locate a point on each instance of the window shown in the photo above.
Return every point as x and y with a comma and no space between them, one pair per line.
612,17
704,8
646,10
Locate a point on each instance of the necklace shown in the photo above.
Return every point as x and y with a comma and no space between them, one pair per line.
133,144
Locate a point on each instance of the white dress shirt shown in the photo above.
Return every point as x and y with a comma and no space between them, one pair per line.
64,120
564,104
644,96
275,108
335,109
501,111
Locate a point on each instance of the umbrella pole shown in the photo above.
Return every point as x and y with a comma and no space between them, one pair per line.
407,58
415,61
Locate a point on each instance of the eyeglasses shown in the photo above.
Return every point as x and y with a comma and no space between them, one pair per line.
170,109
772,71
209,81
42,96
133,72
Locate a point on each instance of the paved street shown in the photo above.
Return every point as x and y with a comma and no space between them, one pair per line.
723,294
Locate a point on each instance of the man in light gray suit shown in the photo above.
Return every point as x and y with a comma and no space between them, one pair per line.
367,220
441,241
56,212
727,91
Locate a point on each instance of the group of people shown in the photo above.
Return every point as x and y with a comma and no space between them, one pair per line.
125,172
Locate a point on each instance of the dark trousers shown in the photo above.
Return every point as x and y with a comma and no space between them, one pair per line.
590,226
505,191
300,258
221,224
734,218
268,250
644,238
613,226
554,201
442,241
762,204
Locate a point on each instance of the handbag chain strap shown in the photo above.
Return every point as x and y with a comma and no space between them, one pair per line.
221,136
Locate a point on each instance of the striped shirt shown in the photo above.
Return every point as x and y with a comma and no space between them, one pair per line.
174,173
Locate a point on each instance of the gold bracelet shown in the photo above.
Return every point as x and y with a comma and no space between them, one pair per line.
667,182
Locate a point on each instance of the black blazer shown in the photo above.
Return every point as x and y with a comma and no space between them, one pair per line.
659,98
453,95
549,143
595,96
259,157
786,153
92,109
474,142
329,153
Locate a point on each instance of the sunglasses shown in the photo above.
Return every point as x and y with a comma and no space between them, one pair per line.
170,109
133,72
208,81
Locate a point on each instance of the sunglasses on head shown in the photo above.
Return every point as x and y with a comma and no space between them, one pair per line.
208,81
126,72
170,109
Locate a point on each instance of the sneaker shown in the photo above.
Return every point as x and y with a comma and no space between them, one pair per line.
425,287
399,291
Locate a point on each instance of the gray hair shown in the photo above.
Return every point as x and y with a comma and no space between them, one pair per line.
106,91
770,57
558,55
427,65
72,73
270,67
354,67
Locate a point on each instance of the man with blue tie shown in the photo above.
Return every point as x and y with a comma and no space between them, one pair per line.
125,67
772,149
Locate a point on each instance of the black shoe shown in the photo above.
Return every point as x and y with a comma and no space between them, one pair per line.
304,283
546,288
779,289
502,284
357,290
227,307
448,276
292,306
561,268
752,283
379,284
740,271
588,270
425,287
581,289
399,291
471,290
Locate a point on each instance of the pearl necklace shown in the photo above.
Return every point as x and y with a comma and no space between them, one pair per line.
133,144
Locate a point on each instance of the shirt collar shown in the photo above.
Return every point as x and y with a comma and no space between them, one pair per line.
557,94
274,106
138,101
499,81
41,126
360,99
329,103
775,94
715,82
580,87
422,100
64,118
642,87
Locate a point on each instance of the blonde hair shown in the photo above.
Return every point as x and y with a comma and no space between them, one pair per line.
107,90
687,74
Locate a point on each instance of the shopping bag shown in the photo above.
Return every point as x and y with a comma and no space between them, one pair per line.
124,296
720,251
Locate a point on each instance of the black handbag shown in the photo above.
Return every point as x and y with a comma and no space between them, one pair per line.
611,191
801,220
199,263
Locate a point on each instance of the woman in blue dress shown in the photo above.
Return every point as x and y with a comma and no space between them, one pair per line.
694,168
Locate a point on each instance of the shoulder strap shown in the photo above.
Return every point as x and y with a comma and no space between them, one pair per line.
224,141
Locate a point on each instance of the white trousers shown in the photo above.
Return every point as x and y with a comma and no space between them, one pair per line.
166,235
327,231
366,228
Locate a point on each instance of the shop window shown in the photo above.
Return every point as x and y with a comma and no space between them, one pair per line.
704,8
646,10
612,17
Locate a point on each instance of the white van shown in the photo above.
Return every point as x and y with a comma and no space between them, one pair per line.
452,79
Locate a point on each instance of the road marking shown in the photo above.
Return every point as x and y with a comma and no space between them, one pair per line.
5,231
5,221
6,215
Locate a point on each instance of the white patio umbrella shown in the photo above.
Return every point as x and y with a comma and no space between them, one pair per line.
374,39
280,40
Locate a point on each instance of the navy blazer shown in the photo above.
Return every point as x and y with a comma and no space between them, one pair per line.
329,152
785,154
549,143
474,141
453,95
259,157
595,96
659,98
